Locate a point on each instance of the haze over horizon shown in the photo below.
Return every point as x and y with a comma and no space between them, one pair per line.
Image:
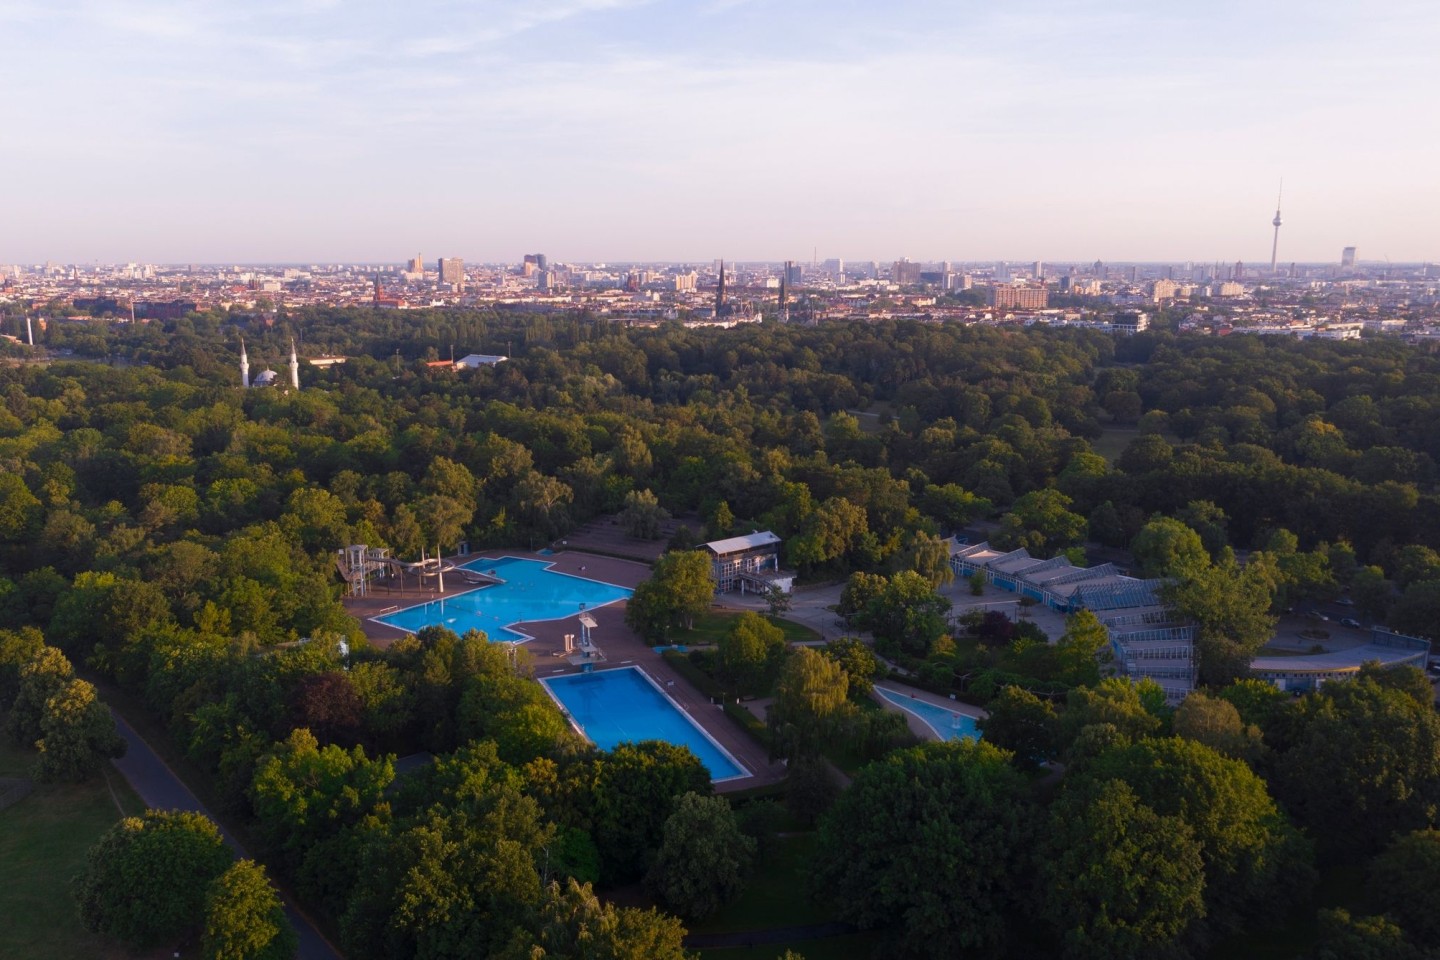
650,130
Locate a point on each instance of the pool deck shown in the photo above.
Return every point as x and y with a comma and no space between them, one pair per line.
622,648
917,726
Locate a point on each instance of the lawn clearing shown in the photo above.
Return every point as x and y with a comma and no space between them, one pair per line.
711,626
43,841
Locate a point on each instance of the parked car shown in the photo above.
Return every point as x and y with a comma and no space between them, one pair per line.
1316,615
1350,622
1345,602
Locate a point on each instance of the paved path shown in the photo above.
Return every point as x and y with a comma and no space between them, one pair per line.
161,789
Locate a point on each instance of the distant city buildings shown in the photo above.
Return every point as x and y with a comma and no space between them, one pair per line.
1347,258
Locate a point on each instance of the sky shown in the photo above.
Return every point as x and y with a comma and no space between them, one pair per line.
321,131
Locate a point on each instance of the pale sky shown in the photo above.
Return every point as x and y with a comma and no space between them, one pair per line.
357,130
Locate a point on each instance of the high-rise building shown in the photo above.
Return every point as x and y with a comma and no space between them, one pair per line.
416,265
794,273
1347,258
1010,297
452,271
1038,270
905,272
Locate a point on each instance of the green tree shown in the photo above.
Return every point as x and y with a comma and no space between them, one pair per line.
145,881
1042,523
679,589
932,841
1022,723
1217,724
703,859
77,735
17,648
1359,762
303,793
1372,593
244,918
1408,875
1345,937
748,650
643,517
859,664
46,674
573,924
1118,879
929,556
1168,548
1417,612
1114,701
635,786
810,703
855,599
1256,863
1231,609
1081,649
952,505
908,616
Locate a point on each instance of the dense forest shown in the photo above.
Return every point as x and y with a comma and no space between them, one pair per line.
167,532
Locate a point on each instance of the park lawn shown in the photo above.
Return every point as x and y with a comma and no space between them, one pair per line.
1113,441
775,895
711,626
43,841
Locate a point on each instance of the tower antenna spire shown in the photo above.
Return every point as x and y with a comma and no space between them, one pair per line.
1275,244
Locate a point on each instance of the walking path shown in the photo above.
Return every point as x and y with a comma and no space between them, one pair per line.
161,789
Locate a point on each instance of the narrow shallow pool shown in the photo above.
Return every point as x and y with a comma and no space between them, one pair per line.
625,705
531,592
947,724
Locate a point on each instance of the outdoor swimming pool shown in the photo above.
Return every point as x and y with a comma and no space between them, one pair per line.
531,591
616,706
949,724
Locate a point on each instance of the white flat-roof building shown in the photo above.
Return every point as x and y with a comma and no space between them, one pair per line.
751,561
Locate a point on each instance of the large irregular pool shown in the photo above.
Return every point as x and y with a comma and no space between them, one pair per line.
947,724
531,591
624,705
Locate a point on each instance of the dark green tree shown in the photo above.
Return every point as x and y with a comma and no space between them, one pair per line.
145,881
703,860
929,842
1119,880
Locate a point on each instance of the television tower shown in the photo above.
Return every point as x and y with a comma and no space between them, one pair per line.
1275,246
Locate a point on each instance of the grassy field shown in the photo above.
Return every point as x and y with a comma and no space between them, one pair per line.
43,840
715,624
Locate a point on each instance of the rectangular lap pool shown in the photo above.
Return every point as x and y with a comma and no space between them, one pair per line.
531,591
947,724
616,706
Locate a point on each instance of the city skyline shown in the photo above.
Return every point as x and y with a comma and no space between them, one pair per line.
631,131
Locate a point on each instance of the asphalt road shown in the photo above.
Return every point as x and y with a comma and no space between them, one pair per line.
161,789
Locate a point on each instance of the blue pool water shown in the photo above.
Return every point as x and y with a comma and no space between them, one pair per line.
949,724
531,591
616,706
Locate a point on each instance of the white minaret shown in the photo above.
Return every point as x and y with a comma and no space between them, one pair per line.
244,366
294,367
